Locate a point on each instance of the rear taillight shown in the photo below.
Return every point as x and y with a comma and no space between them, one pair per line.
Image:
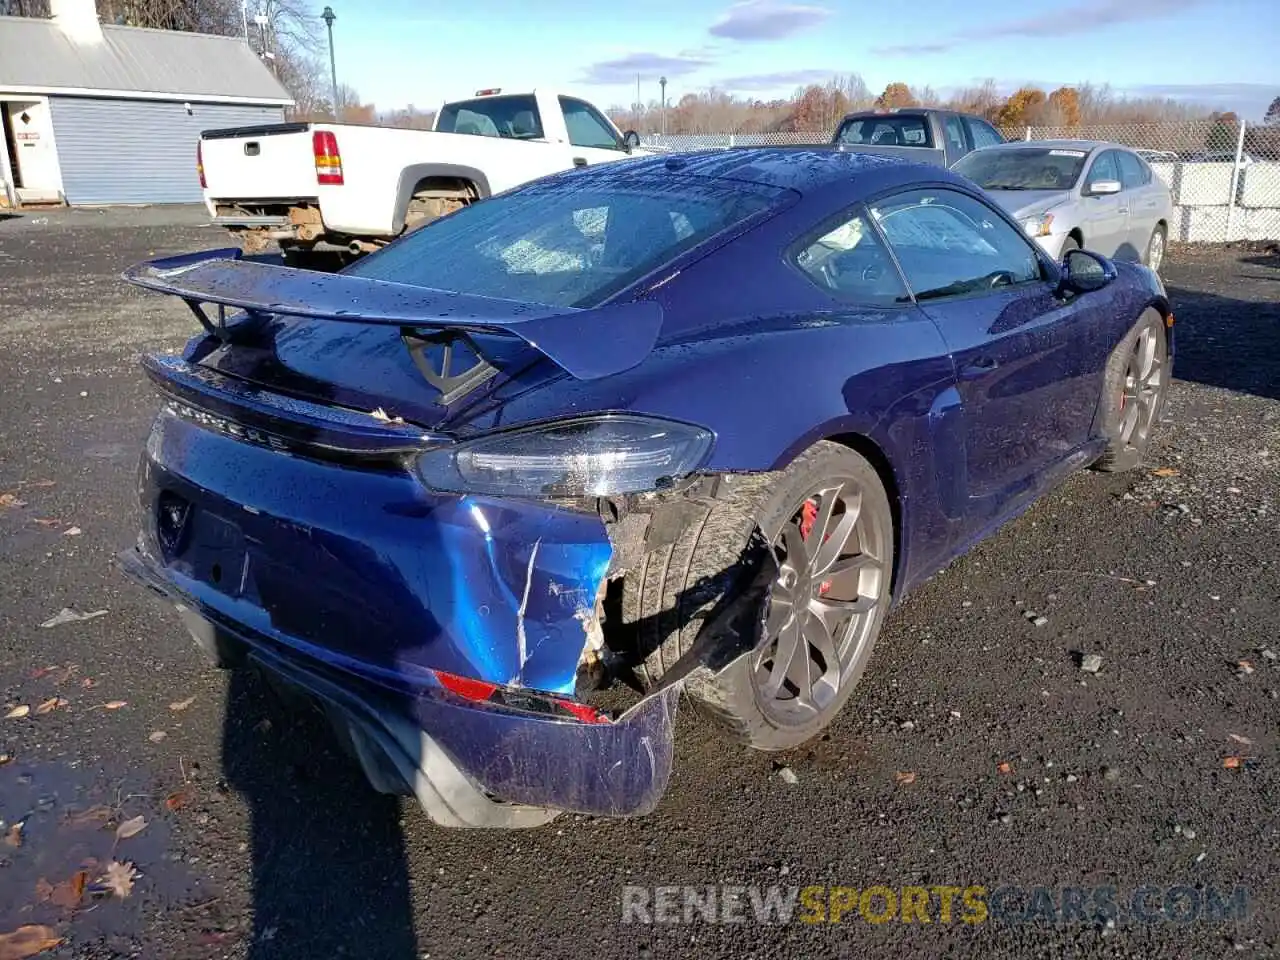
200,163
328,160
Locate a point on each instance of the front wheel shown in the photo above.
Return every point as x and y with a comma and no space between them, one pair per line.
1155,249
1133,393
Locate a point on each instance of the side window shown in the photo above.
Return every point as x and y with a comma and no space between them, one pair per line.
586,127
955,136
1133,172
950,244
1104,168
851,263
984,135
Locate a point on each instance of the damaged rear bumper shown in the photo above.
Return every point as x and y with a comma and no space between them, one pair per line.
469,763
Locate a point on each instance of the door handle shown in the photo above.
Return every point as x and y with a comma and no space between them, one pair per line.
978,368
579,161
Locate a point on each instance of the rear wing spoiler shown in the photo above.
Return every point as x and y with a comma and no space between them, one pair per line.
587,344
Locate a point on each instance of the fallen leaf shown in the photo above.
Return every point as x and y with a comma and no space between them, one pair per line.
71,532
50,705
115,704
178,705
18,712
93,817
14,837
904,778
1004,766
39,483
119,878
1244,666
68,893
157,736
48,521
1166,472
1239,739
27,941
1232,763
88,683
67,615
5,758
176,800
131,828
44,890
10,500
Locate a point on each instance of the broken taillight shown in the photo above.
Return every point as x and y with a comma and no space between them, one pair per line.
324,144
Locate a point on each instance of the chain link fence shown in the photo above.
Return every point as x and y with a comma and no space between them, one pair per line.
1224,177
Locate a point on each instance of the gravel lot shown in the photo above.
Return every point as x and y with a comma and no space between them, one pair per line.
262,842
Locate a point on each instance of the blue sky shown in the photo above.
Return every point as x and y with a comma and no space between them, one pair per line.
1222,53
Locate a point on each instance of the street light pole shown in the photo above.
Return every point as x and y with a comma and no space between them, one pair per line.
329,16
662,82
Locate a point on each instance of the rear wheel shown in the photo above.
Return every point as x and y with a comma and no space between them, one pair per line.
829,522
1133,393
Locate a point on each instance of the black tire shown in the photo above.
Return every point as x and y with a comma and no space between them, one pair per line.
671,591
1122,394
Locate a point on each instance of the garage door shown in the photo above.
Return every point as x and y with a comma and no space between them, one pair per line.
137,151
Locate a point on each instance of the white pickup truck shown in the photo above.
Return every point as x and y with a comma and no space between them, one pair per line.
354,187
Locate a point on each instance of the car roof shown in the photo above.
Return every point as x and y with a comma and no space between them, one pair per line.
804,170
1089,146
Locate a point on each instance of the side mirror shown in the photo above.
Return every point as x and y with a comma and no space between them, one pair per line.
1103,188
1084,272
630,140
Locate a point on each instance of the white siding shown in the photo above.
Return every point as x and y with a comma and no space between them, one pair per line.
137,151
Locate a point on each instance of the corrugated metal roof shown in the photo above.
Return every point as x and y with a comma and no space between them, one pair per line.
38,56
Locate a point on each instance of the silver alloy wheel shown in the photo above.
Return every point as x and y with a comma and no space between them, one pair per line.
1143,380
1155,251
822,607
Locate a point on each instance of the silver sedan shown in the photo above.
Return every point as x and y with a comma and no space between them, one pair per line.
1078,193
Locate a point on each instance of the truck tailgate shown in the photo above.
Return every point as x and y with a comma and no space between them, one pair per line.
258,163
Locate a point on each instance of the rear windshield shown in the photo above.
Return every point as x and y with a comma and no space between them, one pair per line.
899,130
567,242
1022,168
514,118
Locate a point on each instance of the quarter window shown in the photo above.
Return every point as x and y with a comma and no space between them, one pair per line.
850,262
586,127
950,244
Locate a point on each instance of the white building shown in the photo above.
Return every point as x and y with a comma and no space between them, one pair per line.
93,113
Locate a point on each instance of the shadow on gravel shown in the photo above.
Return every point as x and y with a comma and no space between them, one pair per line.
330,877
1226,342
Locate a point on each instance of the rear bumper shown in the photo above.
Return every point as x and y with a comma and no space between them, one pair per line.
469,764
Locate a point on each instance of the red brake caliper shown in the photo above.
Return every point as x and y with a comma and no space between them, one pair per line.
808,514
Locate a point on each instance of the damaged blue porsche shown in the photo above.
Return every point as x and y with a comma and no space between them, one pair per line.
497,496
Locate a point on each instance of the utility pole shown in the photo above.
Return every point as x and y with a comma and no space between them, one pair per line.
662,82
329,16
244,16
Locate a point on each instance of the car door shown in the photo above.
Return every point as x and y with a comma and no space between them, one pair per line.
1106,215
1146,203
1027,390
591,137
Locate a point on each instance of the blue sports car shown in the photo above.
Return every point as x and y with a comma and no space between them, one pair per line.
689,424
